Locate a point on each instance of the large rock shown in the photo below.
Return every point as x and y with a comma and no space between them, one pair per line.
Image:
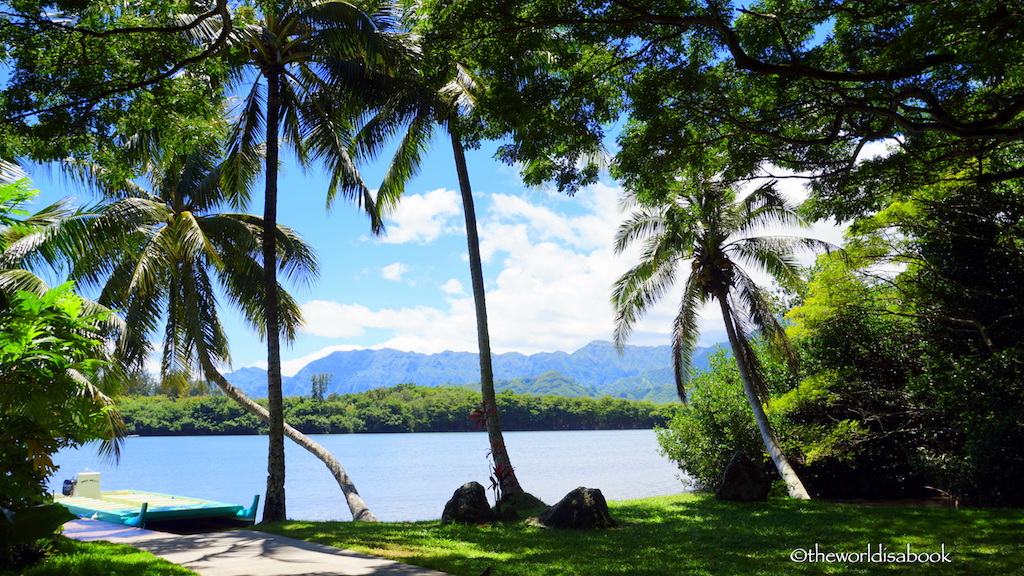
581,508
743,481
468,506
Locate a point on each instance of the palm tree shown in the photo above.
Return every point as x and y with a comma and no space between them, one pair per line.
421,102
158,257
18,236
704,222
306,55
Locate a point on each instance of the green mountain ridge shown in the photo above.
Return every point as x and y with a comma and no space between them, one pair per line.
551,383
554,383
598,369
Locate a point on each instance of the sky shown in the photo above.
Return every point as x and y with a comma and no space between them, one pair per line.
548,266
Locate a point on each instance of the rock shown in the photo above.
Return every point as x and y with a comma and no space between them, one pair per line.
743,481
468,506
581,508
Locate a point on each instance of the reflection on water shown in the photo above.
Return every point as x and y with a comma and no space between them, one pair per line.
400,476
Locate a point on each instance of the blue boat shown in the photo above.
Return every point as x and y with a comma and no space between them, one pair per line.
136,507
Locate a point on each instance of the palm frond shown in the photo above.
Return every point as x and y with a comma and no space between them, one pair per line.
461,92
406,162
118,229
14,279
644,222
51,237
764,208
11,172
112,426
752,300
776,255
377,130
773,254
685,333
238,235
342,28
244,157
238,238
640,287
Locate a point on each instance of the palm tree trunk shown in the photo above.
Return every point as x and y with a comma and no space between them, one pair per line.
356,505
274,507
505,473
771,443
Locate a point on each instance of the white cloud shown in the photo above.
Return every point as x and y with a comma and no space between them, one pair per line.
394,271
452,286
592,228
549,267
550,274
422,218
334,320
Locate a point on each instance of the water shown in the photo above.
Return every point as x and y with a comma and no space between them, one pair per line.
400,476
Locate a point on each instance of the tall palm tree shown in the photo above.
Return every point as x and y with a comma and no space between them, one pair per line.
705,223
158,256
304,58
420,103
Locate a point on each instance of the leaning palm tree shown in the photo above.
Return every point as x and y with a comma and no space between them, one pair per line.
158,256
421,102
302,61
704,222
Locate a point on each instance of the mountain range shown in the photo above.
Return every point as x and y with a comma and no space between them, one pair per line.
597,369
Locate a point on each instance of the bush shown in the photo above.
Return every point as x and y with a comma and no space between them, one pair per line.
49,350
982,400
717,421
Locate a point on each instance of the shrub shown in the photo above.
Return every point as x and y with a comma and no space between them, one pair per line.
716,422
49,354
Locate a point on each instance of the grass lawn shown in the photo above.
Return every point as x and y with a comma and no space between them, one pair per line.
74,558
698,535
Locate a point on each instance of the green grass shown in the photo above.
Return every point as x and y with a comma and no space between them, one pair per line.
74,558
697,535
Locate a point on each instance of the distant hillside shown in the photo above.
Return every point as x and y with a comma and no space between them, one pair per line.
655,387
597,369
551,383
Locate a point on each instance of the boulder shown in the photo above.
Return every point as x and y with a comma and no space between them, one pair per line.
468,506
743,481
581,508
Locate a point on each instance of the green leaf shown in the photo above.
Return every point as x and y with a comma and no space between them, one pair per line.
31,524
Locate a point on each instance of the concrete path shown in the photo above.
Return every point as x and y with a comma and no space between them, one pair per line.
245,552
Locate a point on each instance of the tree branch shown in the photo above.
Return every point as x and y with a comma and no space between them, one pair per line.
222,9
47,23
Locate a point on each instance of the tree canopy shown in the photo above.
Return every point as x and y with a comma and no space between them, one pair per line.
780,86
81,72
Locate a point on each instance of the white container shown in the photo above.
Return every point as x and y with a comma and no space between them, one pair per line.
88,485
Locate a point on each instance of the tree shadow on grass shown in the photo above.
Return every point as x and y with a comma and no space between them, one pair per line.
698,535
768,538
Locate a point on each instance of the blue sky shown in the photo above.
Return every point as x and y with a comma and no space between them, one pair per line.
548,266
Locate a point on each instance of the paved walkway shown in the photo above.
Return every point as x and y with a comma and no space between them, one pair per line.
245,552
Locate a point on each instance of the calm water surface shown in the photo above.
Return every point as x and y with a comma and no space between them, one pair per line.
400,476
